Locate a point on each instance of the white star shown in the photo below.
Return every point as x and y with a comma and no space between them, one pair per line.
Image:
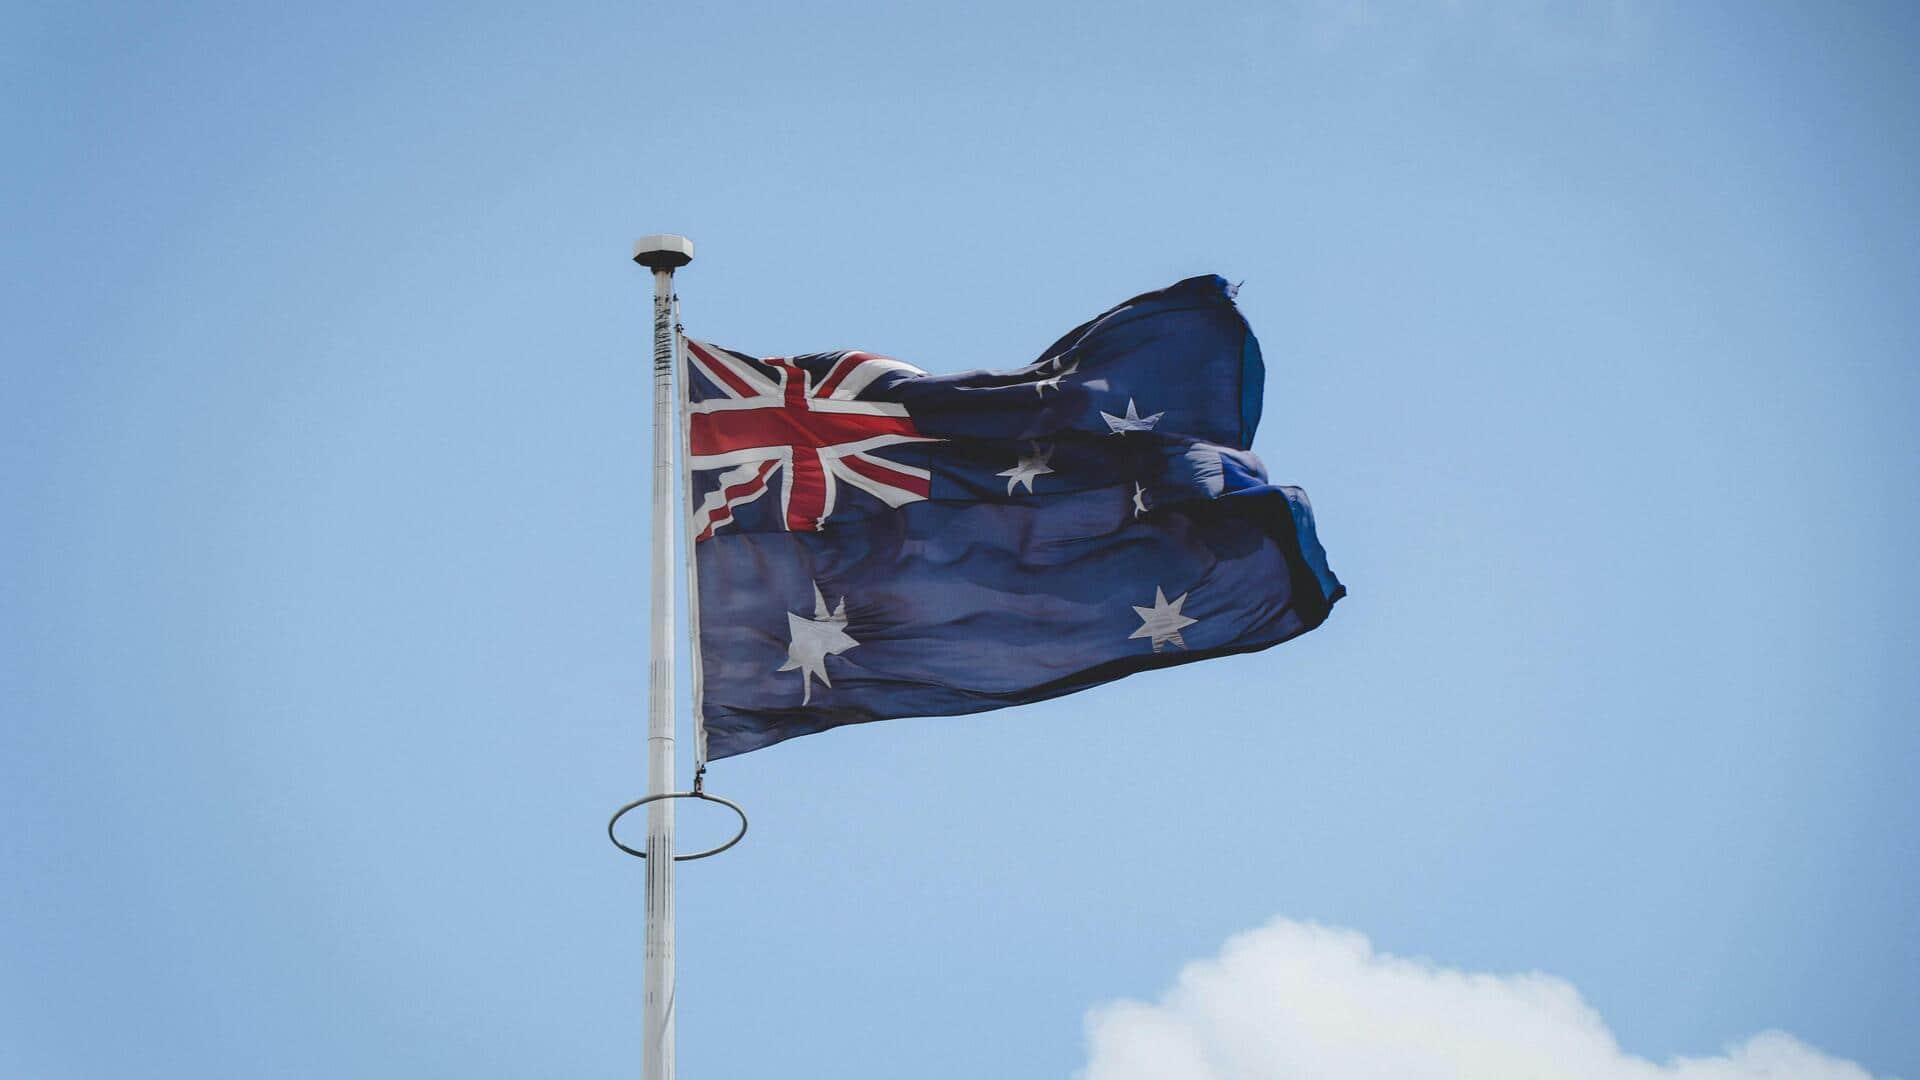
1053,380
1139,499
1028,467
1162,622
814,640
1133,421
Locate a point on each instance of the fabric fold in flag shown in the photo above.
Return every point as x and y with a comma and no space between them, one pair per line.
875,542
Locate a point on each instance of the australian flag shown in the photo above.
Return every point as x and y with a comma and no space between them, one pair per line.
872,541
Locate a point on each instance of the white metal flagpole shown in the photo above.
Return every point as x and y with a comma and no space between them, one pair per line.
663,255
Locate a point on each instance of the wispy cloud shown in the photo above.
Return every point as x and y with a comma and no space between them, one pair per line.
1298,1000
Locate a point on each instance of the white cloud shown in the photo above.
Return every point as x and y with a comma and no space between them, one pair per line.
1304,1002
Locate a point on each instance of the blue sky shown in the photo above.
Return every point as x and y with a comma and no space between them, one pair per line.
322,473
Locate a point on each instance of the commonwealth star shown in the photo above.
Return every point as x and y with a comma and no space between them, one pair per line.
814,640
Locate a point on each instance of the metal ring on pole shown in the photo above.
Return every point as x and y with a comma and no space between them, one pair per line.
695,794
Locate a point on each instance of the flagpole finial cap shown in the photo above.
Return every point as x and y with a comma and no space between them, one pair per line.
663,251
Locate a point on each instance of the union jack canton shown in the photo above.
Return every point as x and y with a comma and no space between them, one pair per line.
810,423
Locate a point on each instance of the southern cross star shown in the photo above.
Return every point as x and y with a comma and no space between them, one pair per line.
1133,421
1028,467
814,640
1053,380
1139,499
1162,622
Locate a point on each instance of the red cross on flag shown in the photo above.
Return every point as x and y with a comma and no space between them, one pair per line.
773,419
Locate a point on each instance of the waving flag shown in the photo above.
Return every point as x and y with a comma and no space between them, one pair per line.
872,541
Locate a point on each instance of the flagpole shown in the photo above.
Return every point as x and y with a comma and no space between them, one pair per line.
663,254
